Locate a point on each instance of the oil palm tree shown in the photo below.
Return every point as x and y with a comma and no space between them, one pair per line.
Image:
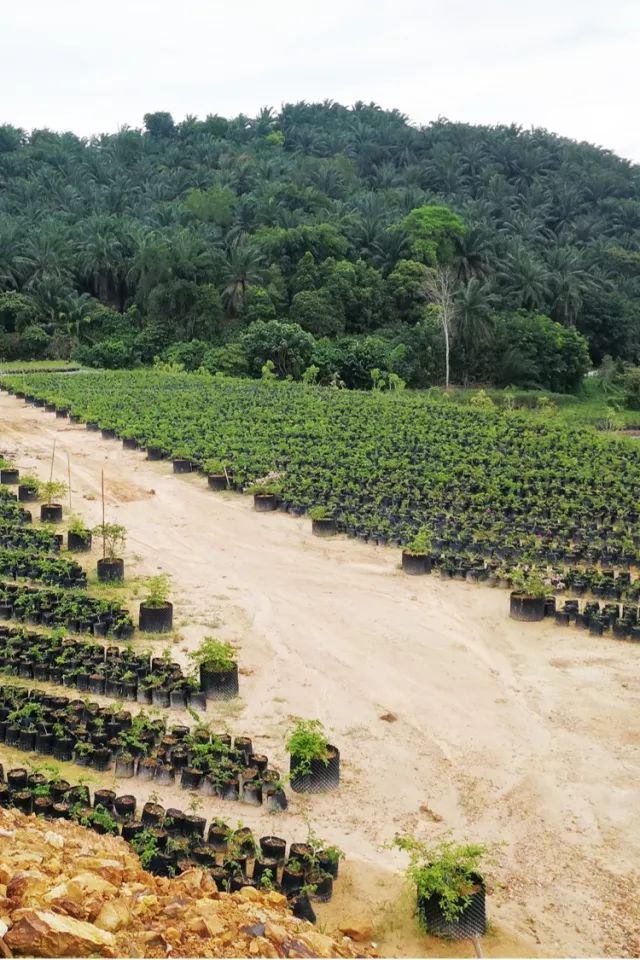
243,269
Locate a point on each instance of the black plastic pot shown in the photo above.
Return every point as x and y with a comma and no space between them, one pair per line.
51,512
471,922
219,684
23,801
197,700
160,698
155,453
108,433
416,564
78,542
190,778
17,779
101,759
322,777
125,806
268,866
165,774
63,749
323,884
230,790
130,443
182,466
9,475
194,826
523,607
124,767
217,481
178,698
110,570
152,814
292,880
156,619
264,502
252,794
132,829
97,684
27,494
217,837
105,798
42,806
273,848
301,909
325,527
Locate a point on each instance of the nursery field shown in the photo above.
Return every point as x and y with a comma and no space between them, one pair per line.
447,714
493,488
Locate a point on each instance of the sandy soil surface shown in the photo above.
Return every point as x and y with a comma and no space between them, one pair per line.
448,714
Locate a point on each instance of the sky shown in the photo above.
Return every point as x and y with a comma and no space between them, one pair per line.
92,66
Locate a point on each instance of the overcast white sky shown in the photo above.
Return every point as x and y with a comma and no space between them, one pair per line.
93,65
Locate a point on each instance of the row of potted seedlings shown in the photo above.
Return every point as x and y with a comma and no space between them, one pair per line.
170,841
503,482
21,537
620,619
32,565
64,607
118,672
456,552
94,736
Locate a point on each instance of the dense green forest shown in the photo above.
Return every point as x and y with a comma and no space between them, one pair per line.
331,241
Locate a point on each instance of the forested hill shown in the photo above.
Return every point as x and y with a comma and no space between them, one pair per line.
311,237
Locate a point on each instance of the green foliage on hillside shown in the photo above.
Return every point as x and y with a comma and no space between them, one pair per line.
310,238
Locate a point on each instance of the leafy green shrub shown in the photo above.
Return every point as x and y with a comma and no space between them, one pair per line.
215,654
50,489
321,513
306,741
421,544
529,582
113,536
157,590
447,870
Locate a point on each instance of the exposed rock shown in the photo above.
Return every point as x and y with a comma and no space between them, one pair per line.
71,893
40,933
359,928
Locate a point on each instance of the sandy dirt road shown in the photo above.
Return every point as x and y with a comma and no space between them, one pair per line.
523,733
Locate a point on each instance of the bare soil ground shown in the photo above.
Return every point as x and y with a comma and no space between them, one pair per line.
448,714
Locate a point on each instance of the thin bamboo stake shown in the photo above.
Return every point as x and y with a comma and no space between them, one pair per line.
476,946
53,453
69,478
104,542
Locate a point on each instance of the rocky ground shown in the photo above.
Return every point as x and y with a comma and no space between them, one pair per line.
67,892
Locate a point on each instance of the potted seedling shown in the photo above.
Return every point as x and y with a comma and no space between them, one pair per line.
181,461
156,612
416,556
265,496
28,489
450,889
78,536
527,600
314,763
323,522
8,473
111,566
196,697
51,511
217,474
218,669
